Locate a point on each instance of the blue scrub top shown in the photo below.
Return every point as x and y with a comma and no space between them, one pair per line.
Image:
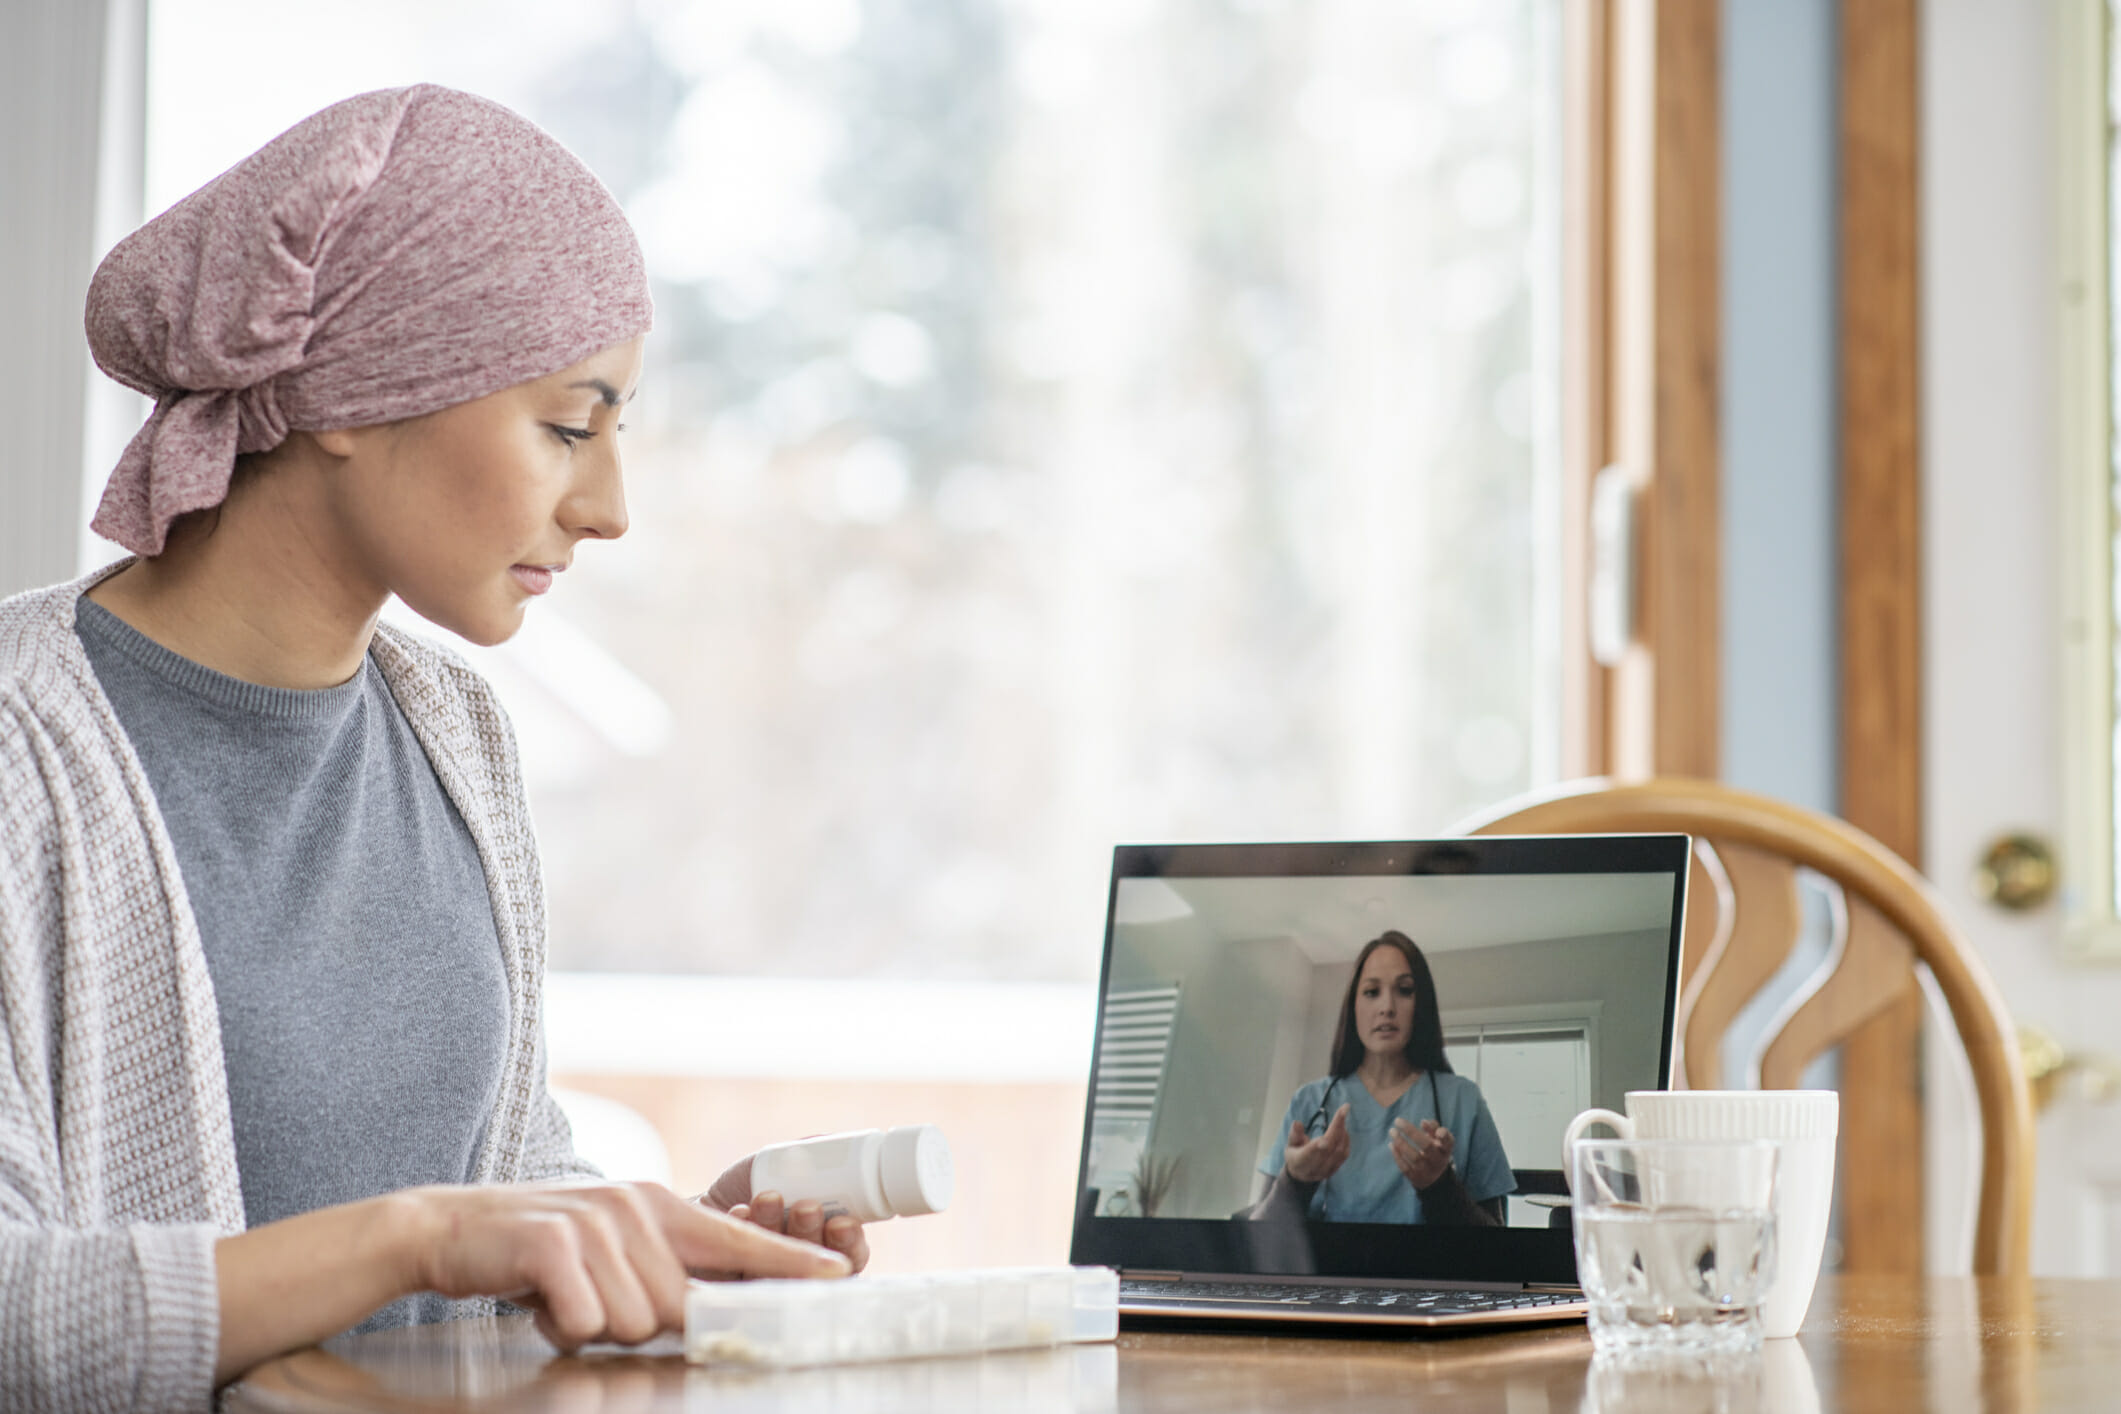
1369,1188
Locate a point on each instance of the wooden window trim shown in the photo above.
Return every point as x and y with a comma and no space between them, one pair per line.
1643,273
1881,596
1643,295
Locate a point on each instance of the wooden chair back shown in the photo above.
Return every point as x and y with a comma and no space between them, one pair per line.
1744,918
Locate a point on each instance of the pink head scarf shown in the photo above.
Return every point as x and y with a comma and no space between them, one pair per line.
395,254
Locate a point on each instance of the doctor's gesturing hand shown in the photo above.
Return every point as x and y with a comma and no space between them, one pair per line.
1309,1159
1423,1152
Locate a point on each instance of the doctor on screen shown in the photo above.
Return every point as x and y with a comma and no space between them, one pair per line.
1391,1135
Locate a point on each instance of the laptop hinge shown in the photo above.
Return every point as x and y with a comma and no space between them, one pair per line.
1136,1274
1554,1286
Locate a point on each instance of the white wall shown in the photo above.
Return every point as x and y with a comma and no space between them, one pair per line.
1991,481
70,102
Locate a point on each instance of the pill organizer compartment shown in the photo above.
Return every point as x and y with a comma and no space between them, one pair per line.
790,1324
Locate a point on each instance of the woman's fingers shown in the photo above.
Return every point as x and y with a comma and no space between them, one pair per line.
1296,1155
630,1313
768,1211
806,1221
1313,1160
1422,1153
715,1242
1304,1161
1334,1145
1417,1153
598,1261
1403,1153
1340,1142
1337,1131
846,1236
638,1212
1440,1141
570,1310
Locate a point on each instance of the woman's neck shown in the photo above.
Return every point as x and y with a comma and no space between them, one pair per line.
253,592
1385,1070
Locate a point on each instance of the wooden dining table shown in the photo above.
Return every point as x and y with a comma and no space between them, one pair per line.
1900,1345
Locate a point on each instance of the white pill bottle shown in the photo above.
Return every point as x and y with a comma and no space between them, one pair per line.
868,1174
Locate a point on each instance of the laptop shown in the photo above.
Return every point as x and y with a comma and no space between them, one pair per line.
1236,1031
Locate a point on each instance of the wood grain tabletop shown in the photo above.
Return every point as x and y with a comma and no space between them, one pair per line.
1900,1345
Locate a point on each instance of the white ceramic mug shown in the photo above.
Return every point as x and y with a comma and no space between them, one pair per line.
1804,1122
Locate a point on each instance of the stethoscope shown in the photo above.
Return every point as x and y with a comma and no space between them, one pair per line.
1316,1124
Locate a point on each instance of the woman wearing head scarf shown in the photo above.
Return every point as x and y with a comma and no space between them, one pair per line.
1390,1134
271,925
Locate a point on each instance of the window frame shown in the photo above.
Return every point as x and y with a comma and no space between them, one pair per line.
1641,373
2091,924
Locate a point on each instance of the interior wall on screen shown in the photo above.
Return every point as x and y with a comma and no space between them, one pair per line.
1780,431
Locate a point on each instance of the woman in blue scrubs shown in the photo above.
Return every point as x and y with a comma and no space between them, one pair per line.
1391,1135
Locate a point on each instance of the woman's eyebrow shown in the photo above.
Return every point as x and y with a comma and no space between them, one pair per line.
604,390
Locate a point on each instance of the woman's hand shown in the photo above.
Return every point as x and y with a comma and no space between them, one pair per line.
1424,1153
594,1261
804,1221
1309,1160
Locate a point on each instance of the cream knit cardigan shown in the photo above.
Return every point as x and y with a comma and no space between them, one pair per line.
117,1162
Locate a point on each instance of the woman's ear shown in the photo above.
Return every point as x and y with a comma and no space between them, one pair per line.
337,442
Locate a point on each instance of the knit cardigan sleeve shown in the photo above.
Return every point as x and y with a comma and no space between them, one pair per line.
117,1163
95,1313
548,1145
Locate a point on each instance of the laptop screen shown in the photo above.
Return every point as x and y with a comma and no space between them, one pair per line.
1358,1059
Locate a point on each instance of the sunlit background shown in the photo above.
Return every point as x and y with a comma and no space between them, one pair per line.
1068,422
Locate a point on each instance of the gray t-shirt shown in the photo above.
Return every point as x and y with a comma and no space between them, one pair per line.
346,923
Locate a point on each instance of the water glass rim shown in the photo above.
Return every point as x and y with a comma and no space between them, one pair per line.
1748,1160
1697,1145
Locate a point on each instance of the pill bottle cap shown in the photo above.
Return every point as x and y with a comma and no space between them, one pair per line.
917,1173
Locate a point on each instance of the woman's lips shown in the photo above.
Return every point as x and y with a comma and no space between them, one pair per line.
535,579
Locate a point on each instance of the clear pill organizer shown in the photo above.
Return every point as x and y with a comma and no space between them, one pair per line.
792,1324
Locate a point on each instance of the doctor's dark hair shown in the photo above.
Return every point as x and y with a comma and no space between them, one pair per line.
1424,1048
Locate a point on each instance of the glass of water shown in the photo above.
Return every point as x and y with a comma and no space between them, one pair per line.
1675,1241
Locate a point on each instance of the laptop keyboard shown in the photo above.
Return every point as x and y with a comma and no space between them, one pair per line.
1359,1298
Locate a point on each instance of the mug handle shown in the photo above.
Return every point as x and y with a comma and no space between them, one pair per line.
1620,1124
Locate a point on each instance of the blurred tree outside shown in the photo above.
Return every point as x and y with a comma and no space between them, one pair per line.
1068,422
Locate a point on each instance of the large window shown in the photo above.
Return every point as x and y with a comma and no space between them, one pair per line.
1066,423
